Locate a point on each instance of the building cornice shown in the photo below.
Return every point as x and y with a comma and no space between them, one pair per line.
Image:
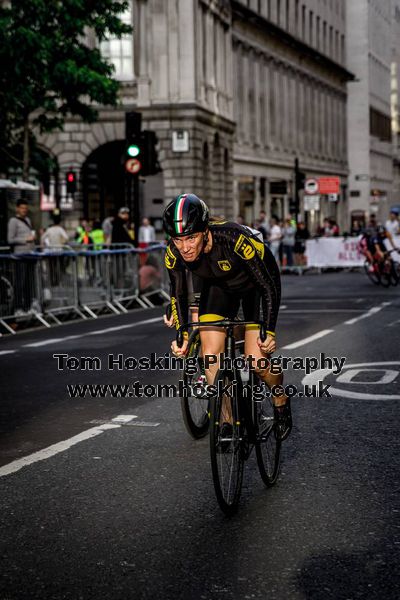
242,12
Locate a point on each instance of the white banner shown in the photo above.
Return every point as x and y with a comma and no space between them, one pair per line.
339,252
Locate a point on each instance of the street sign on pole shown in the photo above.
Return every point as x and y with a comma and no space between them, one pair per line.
311,186
329,185
133,166
311,202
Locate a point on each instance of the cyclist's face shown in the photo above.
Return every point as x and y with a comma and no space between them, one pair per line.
190,246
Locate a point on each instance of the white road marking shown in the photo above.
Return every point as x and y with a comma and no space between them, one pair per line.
369,313
397,322
316,376
304,341
51,341
96,332
7,352
118,328
123,419
322,310
46,453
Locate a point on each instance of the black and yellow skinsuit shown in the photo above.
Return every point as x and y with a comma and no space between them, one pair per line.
239,269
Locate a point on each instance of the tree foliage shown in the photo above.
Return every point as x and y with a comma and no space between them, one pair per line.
49,70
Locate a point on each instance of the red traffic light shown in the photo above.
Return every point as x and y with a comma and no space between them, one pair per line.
71,182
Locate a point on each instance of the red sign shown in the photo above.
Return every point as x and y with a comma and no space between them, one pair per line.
133,165
329,185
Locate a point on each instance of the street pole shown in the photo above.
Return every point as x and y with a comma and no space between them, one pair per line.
296,188
136,207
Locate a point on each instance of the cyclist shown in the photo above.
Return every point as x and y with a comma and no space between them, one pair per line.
372,242
236,269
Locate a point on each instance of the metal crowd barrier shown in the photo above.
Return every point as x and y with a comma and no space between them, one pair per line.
85,280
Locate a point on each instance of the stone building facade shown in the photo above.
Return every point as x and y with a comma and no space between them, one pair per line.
289,102
254,84
369,57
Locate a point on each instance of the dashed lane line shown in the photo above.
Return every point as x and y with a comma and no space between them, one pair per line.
307,340
50,451
372,311
96,332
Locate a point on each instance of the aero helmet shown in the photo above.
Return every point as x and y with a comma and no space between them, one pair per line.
185,215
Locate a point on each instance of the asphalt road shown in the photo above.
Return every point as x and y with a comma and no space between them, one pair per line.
128,510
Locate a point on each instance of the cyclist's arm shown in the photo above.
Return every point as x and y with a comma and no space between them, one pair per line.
179,293
264,274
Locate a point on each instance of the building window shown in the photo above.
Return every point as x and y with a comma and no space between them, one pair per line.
318,32
311,33
119,52
324,37
296,18
380,125
287,15
303,22
278,12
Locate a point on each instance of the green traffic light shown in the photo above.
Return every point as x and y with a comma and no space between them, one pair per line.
133,150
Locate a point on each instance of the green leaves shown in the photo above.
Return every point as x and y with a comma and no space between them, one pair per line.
48,71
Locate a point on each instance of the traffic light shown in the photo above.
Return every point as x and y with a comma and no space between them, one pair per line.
149,156
140,145
133,130
70,180
300,180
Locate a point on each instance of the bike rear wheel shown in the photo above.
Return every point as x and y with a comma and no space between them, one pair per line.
268,446
226,449
195,409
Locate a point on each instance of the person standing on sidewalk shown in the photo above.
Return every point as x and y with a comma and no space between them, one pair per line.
21,238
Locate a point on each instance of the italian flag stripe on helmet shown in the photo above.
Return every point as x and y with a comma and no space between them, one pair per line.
178,213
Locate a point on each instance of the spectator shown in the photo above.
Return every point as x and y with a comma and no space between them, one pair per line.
240,220
302,235
264,225
97,236
149,276
21,238
325,230
82,235
107,226
147,233
334,228
356,228
20,235
120,234
392,224
55,236
288,241
275,238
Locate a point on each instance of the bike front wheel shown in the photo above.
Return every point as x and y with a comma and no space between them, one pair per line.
372,273
226,443
195,407
268,446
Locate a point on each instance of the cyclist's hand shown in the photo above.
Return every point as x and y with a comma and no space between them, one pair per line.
268,346
176,351
168,322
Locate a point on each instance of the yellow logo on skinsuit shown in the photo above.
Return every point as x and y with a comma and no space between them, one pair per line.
259,246
244,248
224,265
170,259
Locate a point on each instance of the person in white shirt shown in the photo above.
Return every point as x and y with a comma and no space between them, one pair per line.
275,238
55,236
392,225
147,232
